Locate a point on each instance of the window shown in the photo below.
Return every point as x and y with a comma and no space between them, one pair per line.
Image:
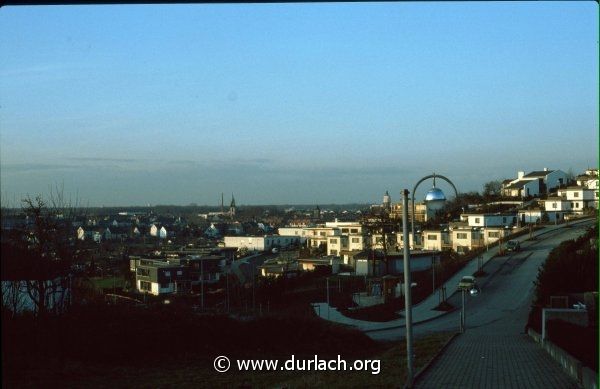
145,285
165,285
143,272
477,220
354,230
179,272
576,205
431,237
493,234
355,240
322,233
575,194
344,230
554,205
167,274
333,241
461,235
503,220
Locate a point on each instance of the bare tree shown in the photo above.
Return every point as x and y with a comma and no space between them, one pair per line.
13,297
40,254
380,223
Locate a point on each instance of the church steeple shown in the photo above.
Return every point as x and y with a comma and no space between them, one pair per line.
232,207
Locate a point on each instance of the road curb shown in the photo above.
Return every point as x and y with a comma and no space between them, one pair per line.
434,358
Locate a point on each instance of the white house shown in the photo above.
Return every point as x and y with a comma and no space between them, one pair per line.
534,183
293,231
317,236
581,197
162,233
489,219
153,230
260,243
465,238
493,234
80,233
530,215
522,188
336,244
436,240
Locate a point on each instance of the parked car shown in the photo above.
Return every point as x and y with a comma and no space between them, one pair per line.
467,282
513,245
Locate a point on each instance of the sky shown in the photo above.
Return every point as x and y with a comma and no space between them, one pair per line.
292,103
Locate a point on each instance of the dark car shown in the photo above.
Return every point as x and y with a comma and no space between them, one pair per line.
513,245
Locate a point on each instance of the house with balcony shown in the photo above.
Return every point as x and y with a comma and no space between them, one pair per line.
161,276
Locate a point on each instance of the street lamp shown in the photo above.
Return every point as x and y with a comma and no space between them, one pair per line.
473,291
434,176
407,290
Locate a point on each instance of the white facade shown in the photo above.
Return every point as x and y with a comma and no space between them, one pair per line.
555,179
357,242
436,240
153,230
466,239
489,220
293,231
80,233
317,236
260,243
336,244
155,288
162,233
530,215
492,235
556,204
581,198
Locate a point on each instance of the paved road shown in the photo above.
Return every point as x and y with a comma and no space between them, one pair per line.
494,352
508,286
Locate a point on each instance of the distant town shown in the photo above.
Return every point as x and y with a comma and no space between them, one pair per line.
166,247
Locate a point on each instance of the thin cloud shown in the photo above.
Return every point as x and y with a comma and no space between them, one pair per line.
33,167
99,159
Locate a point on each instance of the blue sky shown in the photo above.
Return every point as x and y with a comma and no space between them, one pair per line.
292,103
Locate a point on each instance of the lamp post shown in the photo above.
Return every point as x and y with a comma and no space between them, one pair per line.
434,176
407,291
474,291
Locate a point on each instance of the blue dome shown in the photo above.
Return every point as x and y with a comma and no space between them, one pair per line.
435,194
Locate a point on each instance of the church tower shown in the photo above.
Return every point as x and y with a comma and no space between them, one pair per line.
387,201
232,207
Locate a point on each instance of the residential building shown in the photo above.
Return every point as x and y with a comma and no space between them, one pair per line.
493,234
261,243
436,240
465,238
534,183
489,219
318,236
581,197
157,276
